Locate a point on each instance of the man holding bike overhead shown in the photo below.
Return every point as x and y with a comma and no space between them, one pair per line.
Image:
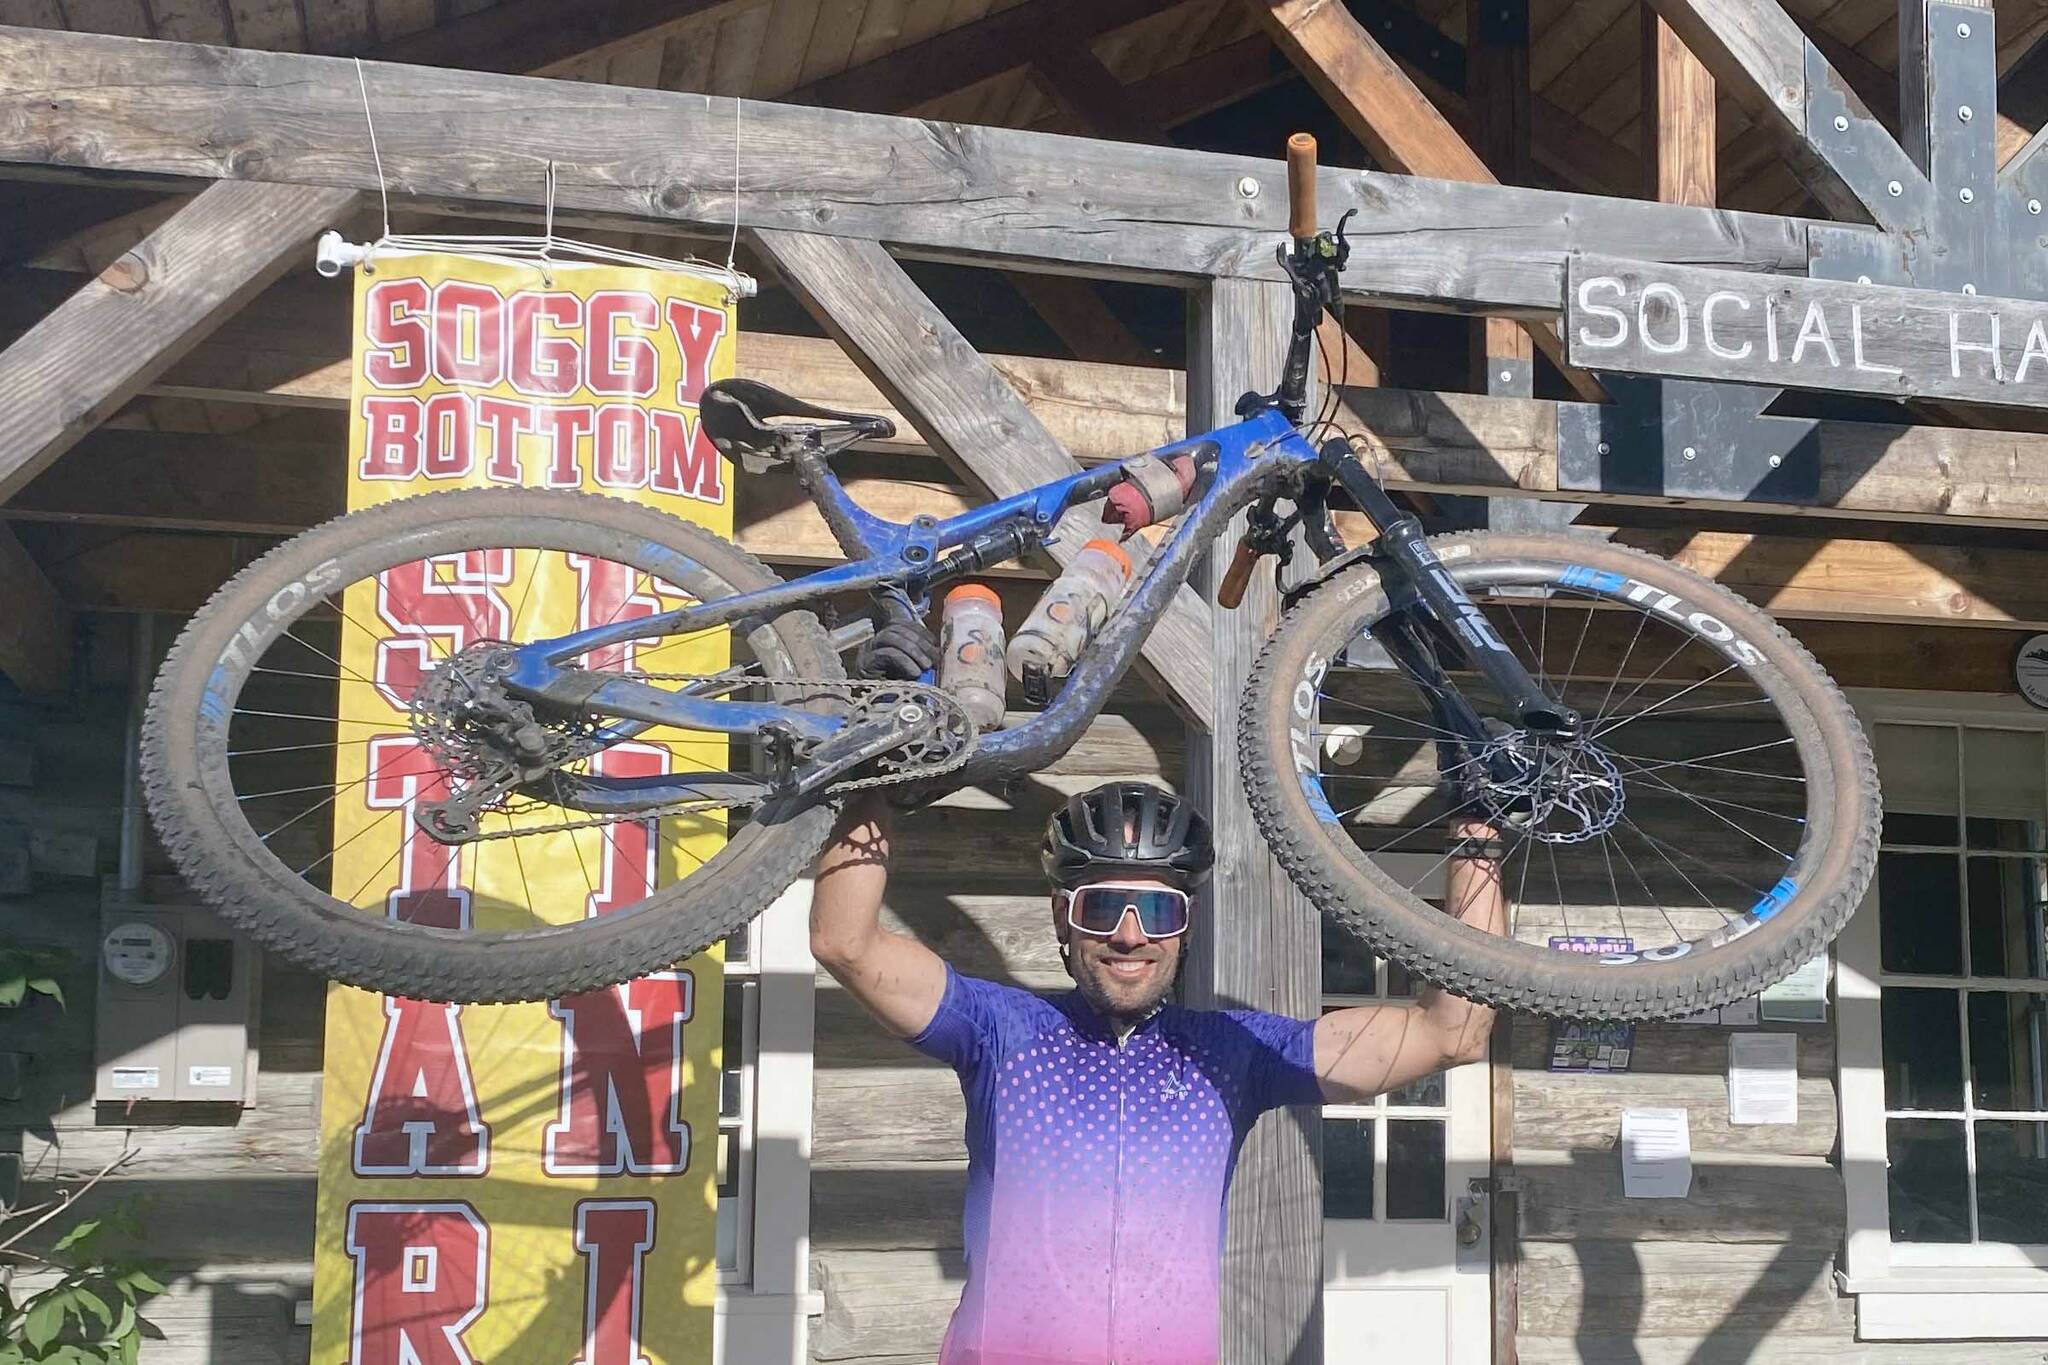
1103,1125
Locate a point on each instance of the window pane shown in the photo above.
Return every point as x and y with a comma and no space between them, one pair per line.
1906,827
1427,1091
1347,966
1921,929
1347,1168
2012,1170
1415,1168
2006,917
730,1091
1923,1049
1400,985
2008,1068
1918,766
728,1164
2002,789
1929,1180
739,946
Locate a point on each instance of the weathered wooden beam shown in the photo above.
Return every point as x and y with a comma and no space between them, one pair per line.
539,35
1430,442
1864,580
168,113
972,52
1382,107
1260,944
971,416
35,630
128,325
1760,56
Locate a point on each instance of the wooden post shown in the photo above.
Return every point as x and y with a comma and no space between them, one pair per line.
1679,141
1259,942
1497,92
1504,1201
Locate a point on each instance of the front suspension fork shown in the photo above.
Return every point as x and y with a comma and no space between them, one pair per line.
1417,570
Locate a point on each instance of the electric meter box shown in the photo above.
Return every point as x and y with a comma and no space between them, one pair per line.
177,998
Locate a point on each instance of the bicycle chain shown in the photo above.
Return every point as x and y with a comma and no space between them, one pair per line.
954,722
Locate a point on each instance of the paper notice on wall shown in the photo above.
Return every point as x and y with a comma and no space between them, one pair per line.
1763,1078
1801,998
1739,1013
1656,1154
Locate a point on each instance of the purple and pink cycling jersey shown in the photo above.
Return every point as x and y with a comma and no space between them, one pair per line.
1097,1170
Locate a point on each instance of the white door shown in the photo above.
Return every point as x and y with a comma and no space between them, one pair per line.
1405,1243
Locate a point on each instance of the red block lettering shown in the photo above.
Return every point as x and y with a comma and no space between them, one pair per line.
685,462
543,364
395,325
391,438
450,434
697,330
435,608
621,364
614,1237
469,333
505,419
421,1115
622,1080
618,455
421,1278
562,428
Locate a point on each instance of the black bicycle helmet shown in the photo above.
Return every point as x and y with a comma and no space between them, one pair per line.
1129,827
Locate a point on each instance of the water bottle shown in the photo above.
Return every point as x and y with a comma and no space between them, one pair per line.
971,653
1071,611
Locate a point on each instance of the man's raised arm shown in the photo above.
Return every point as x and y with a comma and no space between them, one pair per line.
897,979
1372,1049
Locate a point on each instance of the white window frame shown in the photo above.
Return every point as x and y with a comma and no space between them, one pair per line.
1915,1291
765,1304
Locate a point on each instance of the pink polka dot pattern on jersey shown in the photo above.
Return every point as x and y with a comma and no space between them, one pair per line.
1097,1172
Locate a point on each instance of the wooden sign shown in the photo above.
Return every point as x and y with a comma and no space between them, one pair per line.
1645,317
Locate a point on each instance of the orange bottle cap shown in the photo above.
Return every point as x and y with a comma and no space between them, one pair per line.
973,592
1114,551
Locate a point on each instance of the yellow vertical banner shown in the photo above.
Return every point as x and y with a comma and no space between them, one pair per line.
519,1183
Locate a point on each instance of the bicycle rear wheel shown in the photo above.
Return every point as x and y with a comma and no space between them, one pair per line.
284,754
1713,828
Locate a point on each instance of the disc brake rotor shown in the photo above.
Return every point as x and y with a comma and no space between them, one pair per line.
1556,794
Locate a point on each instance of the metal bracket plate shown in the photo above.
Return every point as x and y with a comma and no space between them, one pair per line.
1682,438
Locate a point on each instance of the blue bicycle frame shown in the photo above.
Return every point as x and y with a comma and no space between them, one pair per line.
1236,464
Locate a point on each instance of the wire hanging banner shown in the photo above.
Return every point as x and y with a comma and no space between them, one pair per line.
335,253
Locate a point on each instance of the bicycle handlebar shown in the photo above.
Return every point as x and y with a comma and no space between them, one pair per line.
1301,185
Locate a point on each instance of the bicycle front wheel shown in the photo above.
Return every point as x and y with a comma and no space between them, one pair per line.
285,751
1712,827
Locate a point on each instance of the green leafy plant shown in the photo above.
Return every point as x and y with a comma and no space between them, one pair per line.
30,971
72,1300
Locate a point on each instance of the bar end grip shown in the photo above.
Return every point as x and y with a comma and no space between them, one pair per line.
1237,577
1301,185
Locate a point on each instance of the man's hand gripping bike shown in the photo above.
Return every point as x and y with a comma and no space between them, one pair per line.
1660,762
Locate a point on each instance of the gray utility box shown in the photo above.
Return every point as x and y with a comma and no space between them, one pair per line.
177,998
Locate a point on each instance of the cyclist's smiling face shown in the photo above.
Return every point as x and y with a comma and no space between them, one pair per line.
1125,975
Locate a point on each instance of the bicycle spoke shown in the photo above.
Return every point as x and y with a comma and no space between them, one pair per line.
1725,753
1717,800
1659,706
1746,833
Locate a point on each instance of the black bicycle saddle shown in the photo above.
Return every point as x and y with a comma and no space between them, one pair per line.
737,416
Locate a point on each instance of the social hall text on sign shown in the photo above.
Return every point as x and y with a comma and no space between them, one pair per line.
519,1183
1635,317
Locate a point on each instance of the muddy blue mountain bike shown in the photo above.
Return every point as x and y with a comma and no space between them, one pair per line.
1660,772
